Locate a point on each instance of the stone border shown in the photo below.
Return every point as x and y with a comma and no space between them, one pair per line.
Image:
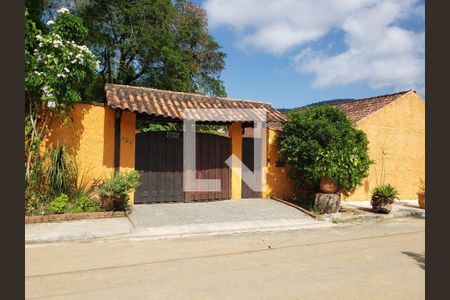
74,216
370,217
305,211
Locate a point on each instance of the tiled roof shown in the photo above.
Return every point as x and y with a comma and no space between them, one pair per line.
169,105
355,109
358,109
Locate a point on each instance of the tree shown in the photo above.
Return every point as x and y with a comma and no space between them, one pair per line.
320,141
154,43
205,59
35,9
56,66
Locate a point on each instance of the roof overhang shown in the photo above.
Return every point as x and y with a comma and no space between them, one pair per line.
169,106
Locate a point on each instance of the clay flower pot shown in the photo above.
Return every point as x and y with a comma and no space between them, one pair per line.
327,186
107,203
421,200
382,204
111,203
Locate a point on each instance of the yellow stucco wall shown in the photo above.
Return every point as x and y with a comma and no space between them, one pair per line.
235,132
90,137
278,183
398,129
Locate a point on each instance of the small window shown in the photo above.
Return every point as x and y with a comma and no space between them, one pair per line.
280,163
173,135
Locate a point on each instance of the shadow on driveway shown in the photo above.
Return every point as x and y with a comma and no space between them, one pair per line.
419,258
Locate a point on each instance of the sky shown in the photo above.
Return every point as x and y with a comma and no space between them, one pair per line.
295,52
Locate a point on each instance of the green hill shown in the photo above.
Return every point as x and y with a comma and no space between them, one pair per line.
330,102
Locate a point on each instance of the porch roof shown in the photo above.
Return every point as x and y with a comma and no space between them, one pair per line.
169,105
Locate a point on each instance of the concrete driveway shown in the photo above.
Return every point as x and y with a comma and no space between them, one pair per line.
175,219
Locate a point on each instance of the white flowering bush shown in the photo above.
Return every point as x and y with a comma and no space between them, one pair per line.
56,64
57,67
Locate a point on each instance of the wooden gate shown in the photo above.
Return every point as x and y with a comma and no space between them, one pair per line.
248,160
159,160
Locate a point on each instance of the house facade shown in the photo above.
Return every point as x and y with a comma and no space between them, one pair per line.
104,138
395,127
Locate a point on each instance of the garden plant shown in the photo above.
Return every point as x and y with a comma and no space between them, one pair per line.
320,142
382,198
114,191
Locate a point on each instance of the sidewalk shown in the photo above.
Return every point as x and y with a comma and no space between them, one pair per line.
210,218
76,230
169,220
361,211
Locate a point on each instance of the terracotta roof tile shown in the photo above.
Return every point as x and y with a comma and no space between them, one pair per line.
170,105
358,109
355,109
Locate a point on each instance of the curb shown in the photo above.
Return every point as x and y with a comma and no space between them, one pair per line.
55,232
381,217
83,238
143,235
74,216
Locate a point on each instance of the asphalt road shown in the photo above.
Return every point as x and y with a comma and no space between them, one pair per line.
370,261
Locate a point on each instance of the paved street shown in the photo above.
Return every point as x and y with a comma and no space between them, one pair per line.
369,261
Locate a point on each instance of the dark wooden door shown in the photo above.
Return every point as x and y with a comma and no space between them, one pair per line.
211,152
159,160
248,159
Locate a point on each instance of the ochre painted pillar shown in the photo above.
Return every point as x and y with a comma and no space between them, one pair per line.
268,165
127,145
235,131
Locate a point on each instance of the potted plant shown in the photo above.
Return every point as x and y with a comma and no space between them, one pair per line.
114,192
421,194
325,153
328,186
382,198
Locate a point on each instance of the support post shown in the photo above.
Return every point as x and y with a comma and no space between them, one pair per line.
235,131
117,121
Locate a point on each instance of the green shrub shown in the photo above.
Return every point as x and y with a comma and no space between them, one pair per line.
118,187
320,141
61,172
85,186
55,173
56,186
58,205
36,188
120,184
62,204
385,191
85,204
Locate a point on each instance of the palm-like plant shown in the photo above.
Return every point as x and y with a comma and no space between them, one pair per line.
383,196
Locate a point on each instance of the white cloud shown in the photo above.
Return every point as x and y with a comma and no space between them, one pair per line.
377,49
277,26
